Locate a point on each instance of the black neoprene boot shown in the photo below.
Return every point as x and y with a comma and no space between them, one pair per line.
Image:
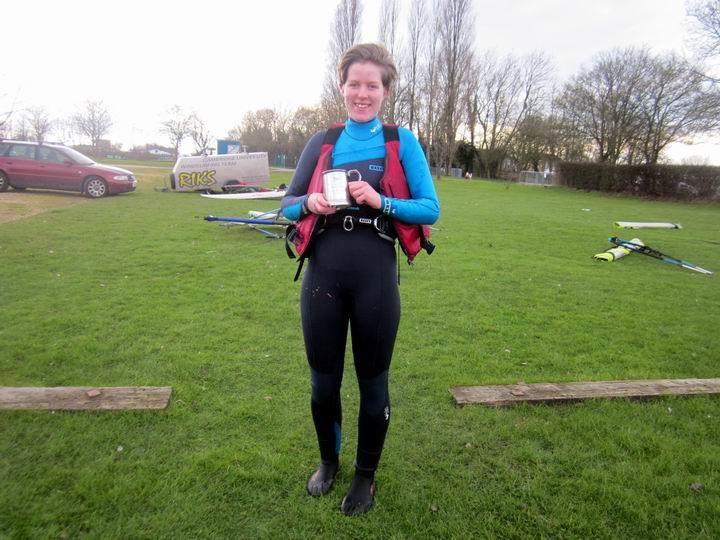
359,497
323,478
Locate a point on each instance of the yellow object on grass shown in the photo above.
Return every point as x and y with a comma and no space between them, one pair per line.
617,252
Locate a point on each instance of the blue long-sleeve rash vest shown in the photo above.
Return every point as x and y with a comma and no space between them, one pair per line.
361,142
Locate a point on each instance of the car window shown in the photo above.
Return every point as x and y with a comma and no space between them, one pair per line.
77,157
50,154
24,151
3,148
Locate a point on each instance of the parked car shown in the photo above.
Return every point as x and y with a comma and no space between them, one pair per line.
55,166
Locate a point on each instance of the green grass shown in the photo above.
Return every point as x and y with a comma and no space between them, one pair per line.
138,290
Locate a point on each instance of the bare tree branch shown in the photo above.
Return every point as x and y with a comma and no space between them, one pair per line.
416,37
94,122
676,103
430,125
200,134
388,35
456,43
506,92
39,122
705,33
602,101
345,32
176,127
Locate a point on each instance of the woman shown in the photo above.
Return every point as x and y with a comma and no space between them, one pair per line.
351,276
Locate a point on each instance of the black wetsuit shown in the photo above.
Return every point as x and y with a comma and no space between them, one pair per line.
351,279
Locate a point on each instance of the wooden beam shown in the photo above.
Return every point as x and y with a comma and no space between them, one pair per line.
507,394
73,398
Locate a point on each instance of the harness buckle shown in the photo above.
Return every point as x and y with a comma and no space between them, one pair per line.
348,224
380,224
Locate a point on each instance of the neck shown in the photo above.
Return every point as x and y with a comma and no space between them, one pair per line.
363,130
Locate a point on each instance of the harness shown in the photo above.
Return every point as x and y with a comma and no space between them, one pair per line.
412,238
376,221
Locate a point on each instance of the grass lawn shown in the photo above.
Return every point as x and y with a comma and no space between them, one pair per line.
137,289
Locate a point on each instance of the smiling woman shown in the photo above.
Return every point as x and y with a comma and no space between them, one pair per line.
363,91
351,279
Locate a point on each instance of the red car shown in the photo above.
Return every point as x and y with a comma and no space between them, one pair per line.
54,166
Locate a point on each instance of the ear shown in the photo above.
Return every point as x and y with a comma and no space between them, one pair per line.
386,92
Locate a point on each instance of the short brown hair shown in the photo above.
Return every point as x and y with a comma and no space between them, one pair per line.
368,52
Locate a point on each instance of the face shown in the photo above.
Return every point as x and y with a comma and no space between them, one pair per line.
363,91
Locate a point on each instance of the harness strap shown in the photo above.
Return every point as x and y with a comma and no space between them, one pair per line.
301,262
290,232
380,223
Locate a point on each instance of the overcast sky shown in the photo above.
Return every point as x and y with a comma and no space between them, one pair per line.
223,58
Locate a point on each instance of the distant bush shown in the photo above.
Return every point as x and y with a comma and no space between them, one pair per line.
660,181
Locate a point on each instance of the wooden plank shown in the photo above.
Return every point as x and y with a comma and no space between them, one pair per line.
73,398
507,394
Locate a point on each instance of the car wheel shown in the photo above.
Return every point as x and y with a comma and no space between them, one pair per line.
95,187
3,181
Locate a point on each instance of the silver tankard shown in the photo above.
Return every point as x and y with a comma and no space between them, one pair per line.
335,186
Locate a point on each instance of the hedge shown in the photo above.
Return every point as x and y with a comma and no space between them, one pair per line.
662,181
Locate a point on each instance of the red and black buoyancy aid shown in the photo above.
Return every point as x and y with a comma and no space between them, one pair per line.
393,184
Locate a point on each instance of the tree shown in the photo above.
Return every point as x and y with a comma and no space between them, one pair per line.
345,32
5,117
456,31
6,111
601,102
631,104
388,36
279,133
176,127
507,92
470,103
264,130
21,130
705,32
7,107
416,31
39,123
568,142
530,146
675,102
94,122
303,123
429,123
200,134
64,129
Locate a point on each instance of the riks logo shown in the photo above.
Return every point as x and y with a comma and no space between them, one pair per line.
197,178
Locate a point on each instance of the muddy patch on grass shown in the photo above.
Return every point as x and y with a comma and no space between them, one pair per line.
16,205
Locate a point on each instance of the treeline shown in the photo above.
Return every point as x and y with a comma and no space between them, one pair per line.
34,123
625,108
282,135
484,112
